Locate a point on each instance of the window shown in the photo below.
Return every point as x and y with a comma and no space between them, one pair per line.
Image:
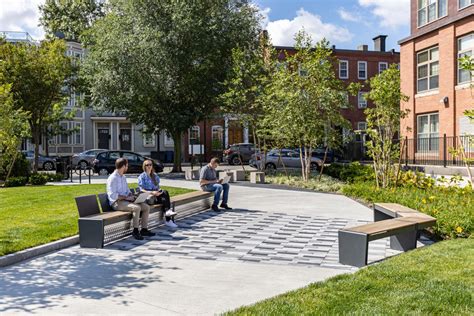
148,139
64,137
360,134
361,126
427,132
343,69
362,69
77,134
430,10
130,157
383,66
465,48
194,135
428,70
361,101
168,140
217,137
465,3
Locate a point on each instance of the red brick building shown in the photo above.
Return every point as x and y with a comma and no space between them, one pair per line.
442,31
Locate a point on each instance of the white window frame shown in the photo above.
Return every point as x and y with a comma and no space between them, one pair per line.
465,52
79,132
346,62
60,136
425,10
215,129
359,63
361,126
197,130
433,136
149,139
467,5
428,64
383,63
361,101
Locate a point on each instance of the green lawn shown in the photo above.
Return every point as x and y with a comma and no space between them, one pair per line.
31,216
435,280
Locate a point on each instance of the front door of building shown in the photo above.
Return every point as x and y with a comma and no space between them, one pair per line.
125,139
235,133
104,137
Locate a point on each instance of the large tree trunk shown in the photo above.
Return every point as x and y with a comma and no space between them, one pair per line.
177,152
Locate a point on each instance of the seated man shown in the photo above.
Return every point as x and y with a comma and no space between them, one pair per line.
208,182
121,199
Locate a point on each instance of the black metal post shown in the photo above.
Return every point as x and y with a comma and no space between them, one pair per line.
80,176
444,151
70,169
406,151
89,174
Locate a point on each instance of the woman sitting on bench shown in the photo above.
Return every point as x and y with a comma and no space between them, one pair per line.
148,181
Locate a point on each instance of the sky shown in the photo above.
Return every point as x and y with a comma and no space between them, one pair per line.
345,23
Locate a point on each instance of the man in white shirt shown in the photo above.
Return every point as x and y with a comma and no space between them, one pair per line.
121,199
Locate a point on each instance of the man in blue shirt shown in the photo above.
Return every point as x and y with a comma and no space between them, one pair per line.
209,182
121,199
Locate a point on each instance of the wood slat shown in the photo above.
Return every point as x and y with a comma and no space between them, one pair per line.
109,215
381,226
190,197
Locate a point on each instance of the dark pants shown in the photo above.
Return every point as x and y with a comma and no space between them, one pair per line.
164,199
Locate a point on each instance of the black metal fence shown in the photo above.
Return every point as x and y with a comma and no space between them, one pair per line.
421,151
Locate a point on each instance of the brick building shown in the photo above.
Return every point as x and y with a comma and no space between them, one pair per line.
442,31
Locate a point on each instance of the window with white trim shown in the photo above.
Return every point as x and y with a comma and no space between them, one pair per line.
63,138
361,131
361,126
217,137
465,48
465,3
362,69
431,10
344,69
194,135
77,134
149,140
428,70
427,132
361,100
383,66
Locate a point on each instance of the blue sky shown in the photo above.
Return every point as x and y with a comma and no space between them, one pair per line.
345,23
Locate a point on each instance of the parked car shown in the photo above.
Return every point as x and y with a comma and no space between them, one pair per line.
290,158
331,156
104,162
237,152
44,162
85,159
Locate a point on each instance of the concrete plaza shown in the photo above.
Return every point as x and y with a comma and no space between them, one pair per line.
272,242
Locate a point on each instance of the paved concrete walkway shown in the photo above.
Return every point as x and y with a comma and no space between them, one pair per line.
272,242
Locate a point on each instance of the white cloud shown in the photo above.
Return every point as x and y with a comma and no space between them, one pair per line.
392,13
282,32
349,16
21,15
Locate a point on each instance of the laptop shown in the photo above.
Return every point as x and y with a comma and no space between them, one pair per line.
142,198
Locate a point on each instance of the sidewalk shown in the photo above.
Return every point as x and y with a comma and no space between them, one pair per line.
272,242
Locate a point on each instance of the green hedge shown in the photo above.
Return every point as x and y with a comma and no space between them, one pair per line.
350,172
16,182
452,207
38,179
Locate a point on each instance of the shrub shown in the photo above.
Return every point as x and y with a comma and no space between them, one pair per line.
327,184
16,182
56,177
38,179
21,167
350,172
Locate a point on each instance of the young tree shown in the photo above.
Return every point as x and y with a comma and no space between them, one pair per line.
163,62
70,17
383,123
308,98
39,76
13,127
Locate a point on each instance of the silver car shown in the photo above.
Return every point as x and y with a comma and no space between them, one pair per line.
44,162
85,159
289,158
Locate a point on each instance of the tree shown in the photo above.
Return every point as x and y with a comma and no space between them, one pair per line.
39,76
307,99
383,123
70,17
162,63
13,127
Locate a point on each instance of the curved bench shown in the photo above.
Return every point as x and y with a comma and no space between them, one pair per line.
399,222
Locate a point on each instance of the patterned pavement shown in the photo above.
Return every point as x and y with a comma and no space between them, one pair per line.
254,236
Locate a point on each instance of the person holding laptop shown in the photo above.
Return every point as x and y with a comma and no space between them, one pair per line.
149,182
209,182
121,199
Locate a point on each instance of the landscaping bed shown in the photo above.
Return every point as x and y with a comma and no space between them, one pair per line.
35,215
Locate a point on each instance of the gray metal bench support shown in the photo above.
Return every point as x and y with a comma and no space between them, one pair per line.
91,233
404,241
353,248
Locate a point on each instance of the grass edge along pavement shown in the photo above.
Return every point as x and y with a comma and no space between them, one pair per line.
434,280
36,215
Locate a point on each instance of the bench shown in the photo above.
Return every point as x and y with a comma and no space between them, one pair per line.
99,224
401,223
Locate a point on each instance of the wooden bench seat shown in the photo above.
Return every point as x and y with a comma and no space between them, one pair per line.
390,219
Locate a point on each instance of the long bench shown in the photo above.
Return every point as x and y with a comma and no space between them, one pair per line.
399,222
99,224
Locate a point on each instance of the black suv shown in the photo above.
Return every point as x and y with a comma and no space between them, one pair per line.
104,163
236,152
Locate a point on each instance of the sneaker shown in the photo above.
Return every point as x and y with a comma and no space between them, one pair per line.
215,208
170,212
171,224
136,234
145,232
225,206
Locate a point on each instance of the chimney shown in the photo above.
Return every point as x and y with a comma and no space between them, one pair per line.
363,48
379,43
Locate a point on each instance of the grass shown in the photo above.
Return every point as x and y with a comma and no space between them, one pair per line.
35,215
434,280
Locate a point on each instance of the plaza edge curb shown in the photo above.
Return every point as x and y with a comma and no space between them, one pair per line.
38,250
